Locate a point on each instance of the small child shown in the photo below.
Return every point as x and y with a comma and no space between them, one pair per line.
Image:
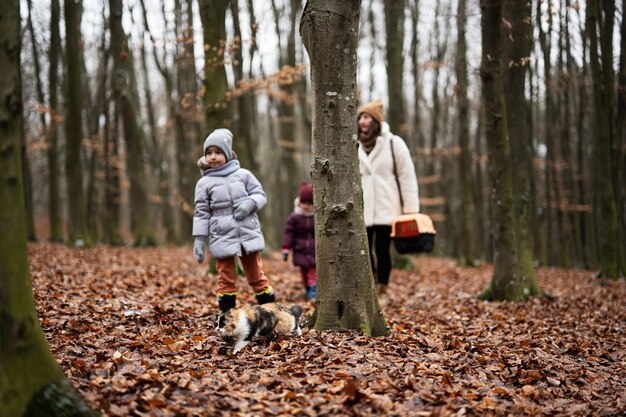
300,237
226,200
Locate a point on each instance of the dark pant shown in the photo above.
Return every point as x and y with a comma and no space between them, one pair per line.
378,237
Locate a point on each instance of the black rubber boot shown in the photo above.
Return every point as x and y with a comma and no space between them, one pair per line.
266,296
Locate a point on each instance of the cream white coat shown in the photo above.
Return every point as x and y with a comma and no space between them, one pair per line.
380,189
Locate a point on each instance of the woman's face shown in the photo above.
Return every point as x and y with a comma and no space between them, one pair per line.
365,122
214,156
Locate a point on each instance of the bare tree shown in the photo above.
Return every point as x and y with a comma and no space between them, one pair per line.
394,26
465,172
74,123
127,104
509,281
213,17
54,193
346,297
600,21
516,45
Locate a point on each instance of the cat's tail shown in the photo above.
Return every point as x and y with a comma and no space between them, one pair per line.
296,310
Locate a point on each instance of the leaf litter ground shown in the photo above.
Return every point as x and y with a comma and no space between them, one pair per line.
133,329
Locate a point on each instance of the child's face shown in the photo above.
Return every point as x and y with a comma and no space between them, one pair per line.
306,206
214,156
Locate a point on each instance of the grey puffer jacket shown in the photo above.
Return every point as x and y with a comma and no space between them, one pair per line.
216,193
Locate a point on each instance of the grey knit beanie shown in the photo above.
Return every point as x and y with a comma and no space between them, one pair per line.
223,139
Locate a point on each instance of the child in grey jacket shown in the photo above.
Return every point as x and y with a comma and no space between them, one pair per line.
227,199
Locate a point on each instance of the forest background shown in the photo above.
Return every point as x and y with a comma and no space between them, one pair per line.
116,111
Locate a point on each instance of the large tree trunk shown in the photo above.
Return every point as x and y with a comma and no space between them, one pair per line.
345,283
54,198
213,17
465,171
74,124
31,382
127,103
509,282
517,45
394,26
600,57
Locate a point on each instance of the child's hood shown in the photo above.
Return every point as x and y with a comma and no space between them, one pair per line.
298,210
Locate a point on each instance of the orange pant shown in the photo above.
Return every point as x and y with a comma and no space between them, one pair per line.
252,267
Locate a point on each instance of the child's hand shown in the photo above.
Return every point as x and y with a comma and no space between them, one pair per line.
198,248
243,209
285,254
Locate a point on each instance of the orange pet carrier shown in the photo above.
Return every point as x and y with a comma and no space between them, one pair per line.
413,233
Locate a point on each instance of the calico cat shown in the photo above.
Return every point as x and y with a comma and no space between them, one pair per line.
245,323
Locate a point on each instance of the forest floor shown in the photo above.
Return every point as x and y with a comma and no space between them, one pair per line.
133,330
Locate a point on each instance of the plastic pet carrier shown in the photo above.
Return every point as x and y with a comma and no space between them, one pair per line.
413,233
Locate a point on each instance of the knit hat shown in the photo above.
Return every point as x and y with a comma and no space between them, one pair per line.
223,139
374,109
306,192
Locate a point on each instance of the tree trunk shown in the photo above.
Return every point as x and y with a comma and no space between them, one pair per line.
31,381
550,246
188,137
620,132
242,99
517,46
127,102
509,281
346,297
417,138
465,171
394,26
600,58
213,17
157,156
74,125
288,176
54,200
28,186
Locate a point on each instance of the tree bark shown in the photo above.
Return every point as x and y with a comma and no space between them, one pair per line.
289,176
127,103
517,46
620,132
31,382
54,200
509,282
417,138
394,27
465,171
600,26
188,136
242,100
345,295
213,17
74,125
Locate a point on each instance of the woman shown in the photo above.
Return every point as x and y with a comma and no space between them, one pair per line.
386,195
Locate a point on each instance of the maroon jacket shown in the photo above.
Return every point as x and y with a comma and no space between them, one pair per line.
300,238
